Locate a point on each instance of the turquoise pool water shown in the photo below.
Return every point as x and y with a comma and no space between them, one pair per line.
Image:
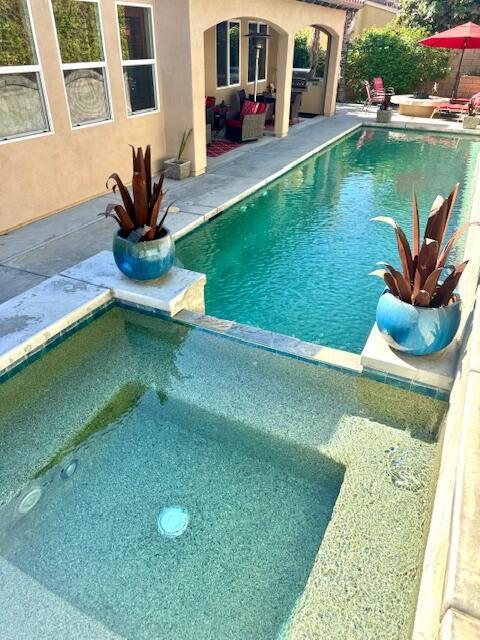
295,257
308,490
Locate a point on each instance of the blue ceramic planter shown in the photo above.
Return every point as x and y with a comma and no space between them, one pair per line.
144,260
416,330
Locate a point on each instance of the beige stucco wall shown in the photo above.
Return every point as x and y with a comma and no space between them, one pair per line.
44,174
373,15
41,175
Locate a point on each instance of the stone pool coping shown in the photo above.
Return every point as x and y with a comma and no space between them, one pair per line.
35,317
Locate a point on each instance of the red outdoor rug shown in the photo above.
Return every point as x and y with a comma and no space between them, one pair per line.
219,147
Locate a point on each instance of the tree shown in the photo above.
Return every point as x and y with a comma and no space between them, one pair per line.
308,54
314,53
393,53
438,15
350,16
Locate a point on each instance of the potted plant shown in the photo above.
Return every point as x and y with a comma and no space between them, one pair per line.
177,168
419,311
384,112
143,248
471,121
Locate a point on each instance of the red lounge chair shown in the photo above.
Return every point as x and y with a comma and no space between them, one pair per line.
458,108
372,96
249,124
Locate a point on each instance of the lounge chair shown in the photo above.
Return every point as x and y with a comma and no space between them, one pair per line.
373,97
249,124
379,88
457,108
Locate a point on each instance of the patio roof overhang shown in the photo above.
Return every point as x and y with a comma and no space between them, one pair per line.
337,4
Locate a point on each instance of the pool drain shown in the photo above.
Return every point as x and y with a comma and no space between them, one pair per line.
172,521
29,500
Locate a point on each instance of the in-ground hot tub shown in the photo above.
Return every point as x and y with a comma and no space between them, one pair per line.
307,489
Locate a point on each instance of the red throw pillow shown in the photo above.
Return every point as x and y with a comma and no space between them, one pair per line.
261,107
209,102
249,108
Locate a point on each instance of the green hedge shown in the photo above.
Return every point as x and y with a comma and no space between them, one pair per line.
394,54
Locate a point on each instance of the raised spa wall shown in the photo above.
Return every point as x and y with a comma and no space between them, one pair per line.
448,605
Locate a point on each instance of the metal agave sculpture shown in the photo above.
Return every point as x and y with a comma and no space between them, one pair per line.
422,281
138,217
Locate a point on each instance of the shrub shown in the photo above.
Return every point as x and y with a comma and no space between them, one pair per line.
393,53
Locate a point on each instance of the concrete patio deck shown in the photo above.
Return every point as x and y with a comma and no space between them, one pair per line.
47,247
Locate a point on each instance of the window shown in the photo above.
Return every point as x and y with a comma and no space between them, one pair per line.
23,110
257,27
228,53
80,43
135,25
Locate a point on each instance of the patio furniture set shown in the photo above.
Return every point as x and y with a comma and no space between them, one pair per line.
245,119
421,107
463,37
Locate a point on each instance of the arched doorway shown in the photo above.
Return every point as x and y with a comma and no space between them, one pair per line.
311,62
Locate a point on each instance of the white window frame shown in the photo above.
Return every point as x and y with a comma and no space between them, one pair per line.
136,63
236,84
264,24
32,68
69,66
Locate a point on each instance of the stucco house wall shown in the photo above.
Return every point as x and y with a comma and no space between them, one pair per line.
44,174
41,175
373,14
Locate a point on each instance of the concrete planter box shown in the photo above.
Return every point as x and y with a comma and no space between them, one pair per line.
471,122
177,170
384,115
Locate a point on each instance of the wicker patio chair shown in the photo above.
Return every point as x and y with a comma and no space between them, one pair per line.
246,126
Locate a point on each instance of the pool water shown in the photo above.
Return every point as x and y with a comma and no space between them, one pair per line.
308,490
295,257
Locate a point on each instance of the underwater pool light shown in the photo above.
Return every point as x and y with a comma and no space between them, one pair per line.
69,469
172,521
29,500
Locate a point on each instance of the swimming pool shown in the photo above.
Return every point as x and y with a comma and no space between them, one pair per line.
307,489
295,257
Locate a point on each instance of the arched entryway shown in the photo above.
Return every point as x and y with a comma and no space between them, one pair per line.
241,63
185,99
311,63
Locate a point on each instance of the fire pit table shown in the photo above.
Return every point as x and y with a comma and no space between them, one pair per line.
419,107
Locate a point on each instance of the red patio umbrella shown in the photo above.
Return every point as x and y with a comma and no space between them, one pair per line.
466,36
